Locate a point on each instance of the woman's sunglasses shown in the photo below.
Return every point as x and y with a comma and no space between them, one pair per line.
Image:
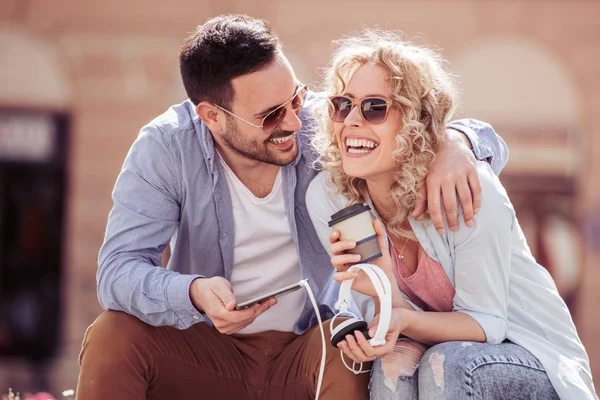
374,110
275,118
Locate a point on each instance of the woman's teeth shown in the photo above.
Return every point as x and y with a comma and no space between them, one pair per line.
360,146
357,151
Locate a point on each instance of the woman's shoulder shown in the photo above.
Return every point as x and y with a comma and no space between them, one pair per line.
316,188
322,187
496,213
320,179
493,194
322,195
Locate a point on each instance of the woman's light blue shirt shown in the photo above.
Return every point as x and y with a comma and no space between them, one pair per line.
496,279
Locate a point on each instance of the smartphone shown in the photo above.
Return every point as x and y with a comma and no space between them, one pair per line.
267,296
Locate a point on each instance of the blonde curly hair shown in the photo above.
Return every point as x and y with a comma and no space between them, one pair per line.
424,93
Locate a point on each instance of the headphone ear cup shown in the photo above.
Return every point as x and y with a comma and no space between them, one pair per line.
347,328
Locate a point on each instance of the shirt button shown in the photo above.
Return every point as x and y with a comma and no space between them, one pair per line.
196,317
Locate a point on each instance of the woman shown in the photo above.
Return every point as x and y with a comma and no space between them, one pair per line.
495,322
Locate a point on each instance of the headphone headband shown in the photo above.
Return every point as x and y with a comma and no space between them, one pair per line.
383,288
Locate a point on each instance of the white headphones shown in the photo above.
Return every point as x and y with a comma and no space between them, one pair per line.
383,288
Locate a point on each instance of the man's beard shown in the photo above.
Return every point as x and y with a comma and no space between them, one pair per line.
259,151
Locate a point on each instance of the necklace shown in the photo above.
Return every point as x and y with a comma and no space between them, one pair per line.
399,253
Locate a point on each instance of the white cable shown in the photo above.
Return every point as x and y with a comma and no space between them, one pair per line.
323,348
355,372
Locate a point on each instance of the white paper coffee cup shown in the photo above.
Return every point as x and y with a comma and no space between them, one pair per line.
355,223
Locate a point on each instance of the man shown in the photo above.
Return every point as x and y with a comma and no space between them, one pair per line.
222,178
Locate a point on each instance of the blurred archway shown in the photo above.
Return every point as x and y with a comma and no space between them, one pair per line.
531,100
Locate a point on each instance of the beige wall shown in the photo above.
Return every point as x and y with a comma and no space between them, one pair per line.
114,67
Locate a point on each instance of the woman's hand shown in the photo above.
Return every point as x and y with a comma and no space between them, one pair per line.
341,261
358,348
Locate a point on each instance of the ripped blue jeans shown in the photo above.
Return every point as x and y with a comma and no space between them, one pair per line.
459,370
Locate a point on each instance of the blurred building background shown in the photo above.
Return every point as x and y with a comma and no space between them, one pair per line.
79,78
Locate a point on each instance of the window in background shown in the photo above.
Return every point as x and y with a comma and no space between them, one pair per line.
33,154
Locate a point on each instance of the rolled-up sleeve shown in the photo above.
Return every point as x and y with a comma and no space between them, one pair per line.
144,217
487,144
483,258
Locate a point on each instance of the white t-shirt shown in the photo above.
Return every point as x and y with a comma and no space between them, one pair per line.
264,256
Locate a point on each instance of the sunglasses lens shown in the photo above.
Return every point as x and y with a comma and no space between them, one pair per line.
298,100
273,120
374,110
341,108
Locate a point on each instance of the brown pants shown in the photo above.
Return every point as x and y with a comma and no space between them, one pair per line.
124,358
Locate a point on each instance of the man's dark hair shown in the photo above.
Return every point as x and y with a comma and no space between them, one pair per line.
224,48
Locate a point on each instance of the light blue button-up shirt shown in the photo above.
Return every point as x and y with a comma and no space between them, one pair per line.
172,190
496,279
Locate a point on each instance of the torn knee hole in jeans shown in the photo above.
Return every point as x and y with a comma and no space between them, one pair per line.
436,360
402,362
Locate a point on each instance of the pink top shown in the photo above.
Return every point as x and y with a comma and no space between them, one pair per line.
428,287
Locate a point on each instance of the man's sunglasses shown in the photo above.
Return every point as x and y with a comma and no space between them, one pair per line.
275,118
374,110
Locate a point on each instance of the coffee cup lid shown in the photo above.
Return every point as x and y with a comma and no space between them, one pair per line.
348,212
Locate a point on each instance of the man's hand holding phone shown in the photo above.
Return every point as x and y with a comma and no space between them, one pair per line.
214,296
